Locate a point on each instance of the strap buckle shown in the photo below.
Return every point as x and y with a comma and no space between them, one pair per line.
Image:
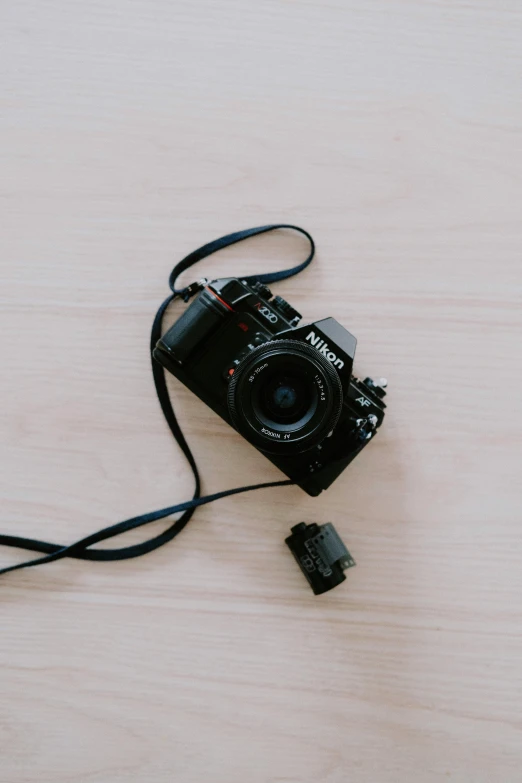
188,292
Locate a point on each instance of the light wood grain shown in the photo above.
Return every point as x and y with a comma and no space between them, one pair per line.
131,132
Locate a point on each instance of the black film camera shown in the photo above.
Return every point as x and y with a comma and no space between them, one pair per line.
288,389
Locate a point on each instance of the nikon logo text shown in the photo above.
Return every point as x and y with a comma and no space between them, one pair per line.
324,348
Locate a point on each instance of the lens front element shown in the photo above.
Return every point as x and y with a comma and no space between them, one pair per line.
285,397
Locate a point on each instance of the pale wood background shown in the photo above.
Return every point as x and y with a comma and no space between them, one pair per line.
131,132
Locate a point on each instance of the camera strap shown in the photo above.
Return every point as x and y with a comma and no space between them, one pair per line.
84,549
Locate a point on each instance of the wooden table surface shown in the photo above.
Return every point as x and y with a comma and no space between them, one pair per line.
132,132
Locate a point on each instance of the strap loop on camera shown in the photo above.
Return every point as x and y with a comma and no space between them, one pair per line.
232,239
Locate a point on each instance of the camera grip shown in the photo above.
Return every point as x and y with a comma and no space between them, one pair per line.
196,324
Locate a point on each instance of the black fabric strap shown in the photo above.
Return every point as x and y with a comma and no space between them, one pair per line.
83,549
232,239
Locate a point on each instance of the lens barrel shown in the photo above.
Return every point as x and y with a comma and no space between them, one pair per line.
285,397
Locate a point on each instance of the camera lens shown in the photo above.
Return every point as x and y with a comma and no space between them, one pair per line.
284,397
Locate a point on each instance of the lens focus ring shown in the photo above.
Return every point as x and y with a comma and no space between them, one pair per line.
285,397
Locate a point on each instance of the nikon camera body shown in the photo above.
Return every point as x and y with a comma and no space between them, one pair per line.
288,389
